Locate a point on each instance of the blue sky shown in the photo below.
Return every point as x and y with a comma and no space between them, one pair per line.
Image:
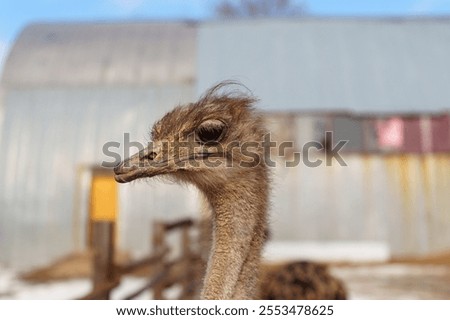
15,14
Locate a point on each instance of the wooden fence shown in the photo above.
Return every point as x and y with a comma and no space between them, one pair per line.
164,272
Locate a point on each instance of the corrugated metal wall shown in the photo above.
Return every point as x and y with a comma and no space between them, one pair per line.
51,138
400,199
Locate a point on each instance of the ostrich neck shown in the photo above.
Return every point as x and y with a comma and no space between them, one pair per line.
240,221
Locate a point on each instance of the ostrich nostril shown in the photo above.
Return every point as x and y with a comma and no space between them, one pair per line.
151,155
117,169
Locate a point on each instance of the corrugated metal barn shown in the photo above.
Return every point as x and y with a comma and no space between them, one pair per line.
381,84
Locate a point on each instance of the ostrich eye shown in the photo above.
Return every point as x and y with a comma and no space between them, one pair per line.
210,131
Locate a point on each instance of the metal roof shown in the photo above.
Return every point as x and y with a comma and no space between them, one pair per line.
362,65
134,53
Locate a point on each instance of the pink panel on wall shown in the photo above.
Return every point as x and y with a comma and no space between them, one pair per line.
413,138
440,133
390,133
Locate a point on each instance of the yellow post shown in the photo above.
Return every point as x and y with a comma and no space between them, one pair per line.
102,229
103,198
103,206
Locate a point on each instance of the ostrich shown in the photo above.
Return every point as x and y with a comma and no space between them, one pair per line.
300,280
216,144
200,143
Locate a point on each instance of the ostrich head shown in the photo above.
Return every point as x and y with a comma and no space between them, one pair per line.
207,143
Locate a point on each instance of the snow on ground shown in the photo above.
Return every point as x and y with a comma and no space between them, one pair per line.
12,288
327,251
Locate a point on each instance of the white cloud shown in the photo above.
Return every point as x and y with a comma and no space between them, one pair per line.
128,6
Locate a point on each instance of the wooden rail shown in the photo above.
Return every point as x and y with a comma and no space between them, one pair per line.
185,223
147,261
165,271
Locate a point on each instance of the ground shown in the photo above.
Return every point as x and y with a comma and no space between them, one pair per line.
424,278
395,281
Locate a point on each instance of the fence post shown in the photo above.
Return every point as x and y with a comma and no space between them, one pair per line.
158,245
103,245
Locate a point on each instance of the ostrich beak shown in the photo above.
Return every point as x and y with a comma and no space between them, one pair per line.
150,162
144,164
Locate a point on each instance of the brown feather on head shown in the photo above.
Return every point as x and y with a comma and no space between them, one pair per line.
205,136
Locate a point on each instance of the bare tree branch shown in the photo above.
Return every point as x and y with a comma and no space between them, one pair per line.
259,8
